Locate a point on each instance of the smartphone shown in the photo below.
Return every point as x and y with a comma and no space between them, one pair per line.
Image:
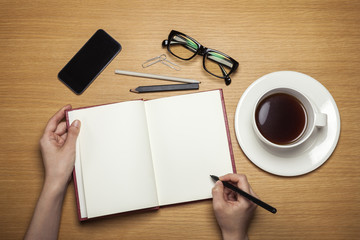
89,61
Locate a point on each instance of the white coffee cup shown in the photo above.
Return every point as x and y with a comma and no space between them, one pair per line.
314,119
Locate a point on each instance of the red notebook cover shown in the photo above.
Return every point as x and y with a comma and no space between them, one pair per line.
154,208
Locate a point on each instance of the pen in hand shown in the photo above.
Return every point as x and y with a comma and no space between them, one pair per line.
246,195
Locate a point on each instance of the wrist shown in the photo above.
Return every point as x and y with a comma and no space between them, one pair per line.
54,188
234,236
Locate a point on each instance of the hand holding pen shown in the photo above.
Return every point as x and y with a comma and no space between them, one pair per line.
232,211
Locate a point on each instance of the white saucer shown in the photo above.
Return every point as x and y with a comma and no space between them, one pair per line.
297,161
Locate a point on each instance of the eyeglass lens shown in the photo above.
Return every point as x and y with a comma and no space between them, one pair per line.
217,64
182,46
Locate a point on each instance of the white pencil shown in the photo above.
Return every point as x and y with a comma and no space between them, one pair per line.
146,75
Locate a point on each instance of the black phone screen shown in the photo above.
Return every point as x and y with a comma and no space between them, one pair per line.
89,61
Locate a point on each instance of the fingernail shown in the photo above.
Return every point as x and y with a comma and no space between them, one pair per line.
76,123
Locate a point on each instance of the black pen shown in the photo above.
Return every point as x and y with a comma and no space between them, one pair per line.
246,195
163,88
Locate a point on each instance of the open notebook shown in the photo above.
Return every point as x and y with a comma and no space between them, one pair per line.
144,154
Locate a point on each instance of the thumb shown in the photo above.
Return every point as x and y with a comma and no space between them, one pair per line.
72,134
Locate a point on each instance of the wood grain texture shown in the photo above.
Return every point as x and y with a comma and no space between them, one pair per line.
318,38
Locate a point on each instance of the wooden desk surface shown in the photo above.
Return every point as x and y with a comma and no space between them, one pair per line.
318,38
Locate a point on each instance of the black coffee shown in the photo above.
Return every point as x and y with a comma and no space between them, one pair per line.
281,118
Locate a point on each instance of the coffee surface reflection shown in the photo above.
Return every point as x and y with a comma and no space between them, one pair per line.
281,118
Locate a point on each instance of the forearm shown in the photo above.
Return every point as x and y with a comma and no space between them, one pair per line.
46,219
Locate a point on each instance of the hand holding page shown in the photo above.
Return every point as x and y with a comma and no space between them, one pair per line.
133,155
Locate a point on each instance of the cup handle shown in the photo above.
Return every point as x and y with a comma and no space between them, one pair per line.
320,119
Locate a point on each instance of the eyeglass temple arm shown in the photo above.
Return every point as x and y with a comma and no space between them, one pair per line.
220,61
227,78
165,43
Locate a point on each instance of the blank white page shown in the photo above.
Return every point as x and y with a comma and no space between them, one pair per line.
189,142
115,155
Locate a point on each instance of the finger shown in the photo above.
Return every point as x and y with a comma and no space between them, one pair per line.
240,180
54,120
59,140
232,196
230,177
72,135
64,136
61,128
218,195
227,193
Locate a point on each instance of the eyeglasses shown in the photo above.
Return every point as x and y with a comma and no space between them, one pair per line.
216,63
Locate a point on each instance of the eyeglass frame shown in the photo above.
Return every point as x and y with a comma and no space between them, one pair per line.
203,51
